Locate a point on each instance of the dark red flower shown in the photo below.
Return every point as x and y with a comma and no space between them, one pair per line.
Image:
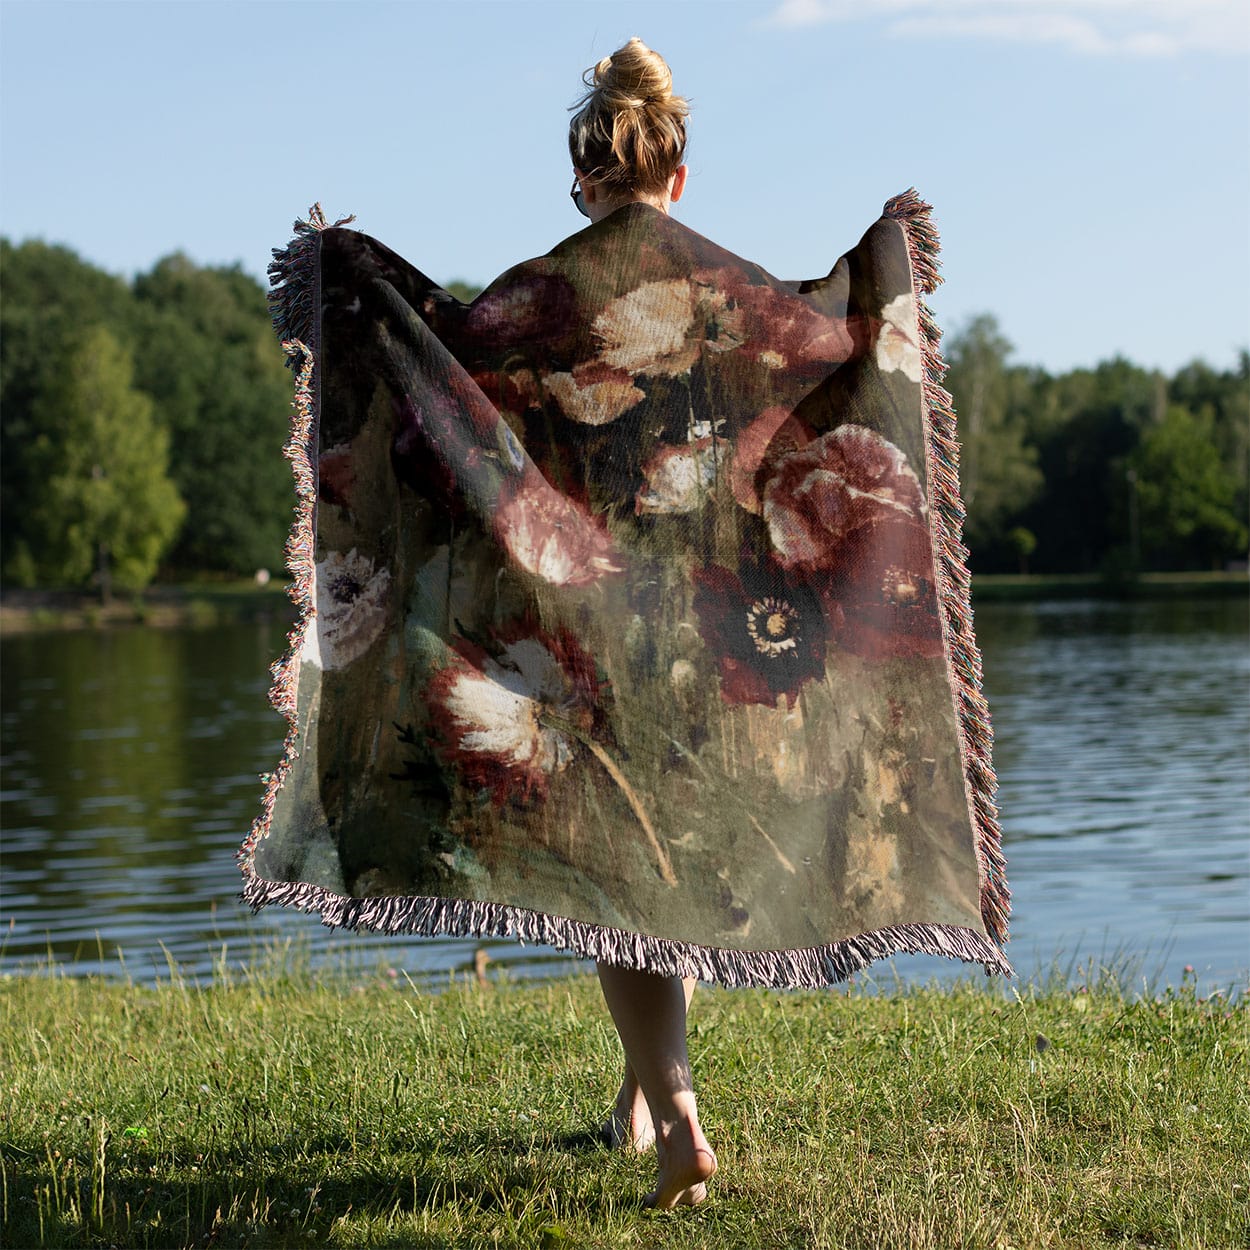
336,475
535,308
513,388
837,483
880,592
767,633
419,428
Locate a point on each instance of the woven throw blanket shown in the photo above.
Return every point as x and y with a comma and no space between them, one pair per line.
634,616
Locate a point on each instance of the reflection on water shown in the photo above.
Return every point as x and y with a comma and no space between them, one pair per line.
1123,733
130,765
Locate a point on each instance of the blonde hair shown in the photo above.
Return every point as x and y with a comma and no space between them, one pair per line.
629,131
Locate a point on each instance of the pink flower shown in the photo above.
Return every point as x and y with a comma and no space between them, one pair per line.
880,591
781,329
552,537
775,433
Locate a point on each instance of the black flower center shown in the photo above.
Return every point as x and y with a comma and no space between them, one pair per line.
773,625
345,588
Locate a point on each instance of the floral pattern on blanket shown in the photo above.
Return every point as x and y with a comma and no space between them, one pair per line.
626,593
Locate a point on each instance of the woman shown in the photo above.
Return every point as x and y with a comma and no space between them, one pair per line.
622,628
628,142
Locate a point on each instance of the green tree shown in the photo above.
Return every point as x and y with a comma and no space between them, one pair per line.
104,505
1221,397
1085,424
208,358
1024,543
997,466
51,297
1185,495
465,292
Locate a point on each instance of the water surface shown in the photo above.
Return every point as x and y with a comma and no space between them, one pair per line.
131,759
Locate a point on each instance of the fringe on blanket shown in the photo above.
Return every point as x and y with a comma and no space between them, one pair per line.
294,303
954,589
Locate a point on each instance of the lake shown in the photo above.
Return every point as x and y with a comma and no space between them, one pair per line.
130,762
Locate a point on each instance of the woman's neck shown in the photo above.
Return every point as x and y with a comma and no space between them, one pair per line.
605,205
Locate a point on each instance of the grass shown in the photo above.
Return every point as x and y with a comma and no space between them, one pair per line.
291,1109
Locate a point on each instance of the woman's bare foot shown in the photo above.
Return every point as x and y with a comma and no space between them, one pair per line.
629,1125
686,1165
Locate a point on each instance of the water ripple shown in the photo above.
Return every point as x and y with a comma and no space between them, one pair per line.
131,772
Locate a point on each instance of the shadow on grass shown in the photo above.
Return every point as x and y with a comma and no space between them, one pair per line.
265,1197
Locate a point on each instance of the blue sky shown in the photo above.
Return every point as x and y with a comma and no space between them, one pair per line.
1089,160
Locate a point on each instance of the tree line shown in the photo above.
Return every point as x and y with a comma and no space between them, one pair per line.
142,421
1113,470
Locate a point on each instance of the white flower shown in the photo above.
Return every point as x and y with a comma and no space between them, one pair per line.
647,330
596,403
351,610
897,346
497,709
510,722
662,328
680,477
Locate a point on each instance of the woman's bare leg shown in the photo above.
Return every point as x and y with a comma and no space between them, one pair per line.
629,1124
650,1015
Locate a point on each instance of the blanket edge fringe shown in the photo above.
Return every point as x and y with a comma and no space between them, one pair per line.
953,576
294,304
294,292
805,968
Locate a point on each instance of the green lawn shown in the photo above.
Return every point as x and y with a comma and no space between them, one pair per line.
291,1110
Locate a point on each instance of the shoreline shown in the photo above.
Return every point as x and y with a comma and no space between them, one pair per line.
202,605
172,606
1035,587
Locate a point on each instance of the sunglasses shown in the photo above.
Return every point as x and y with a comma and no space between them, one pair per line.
576,196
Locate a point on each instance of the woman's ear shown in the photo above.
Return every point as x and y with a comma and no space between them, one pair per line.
678,183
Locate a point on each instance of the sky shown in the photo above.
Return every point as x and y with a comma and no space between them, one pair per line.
1088,160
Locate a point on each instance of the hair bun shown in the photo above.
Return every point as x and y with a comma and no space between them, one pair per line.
629,131
635,76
